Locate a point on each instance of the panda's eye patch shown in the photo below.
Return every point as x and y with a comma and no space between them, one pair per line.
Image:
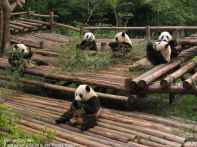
81,96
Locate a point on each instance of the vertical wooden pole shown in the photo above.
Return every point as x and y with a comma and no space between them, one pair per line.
51,20
1,31
6,26
148,33
81,30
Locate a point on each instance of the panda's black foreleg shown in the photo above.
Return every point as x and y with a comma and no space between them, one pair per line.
89,122
65,117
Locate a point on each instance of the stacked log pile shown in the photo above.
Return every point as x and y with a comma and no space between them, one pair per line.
167,75
115,128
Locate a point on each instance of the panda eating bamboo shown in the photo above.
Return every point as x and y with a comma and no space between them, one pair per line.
88,42
84,110
121,45
163,50
20,55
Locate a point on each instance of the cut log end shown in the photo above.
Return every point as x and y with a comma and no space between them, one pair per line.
187,84
142,84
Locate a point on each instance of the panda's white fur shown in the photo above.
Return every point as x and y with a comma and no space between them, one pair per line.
165,36
122,37
81,93
164,48
22,48
89,36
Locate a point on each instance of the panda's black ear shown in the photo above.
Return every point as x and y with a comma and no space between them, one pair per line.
87,88
123,34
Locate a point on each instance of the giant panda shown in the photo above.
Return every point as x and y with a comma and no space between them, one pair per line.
122,43
20,54
88,42
163,50
84,110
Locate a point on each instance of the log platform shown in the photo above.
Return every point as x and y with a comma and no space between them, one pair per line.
115,128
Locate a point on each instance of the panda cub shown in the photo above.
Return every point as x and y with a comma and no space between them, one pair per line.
163,50
20,54
122,43
88,42
84,110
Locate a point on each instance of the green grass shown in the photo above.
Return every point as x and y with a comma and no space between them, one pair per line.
8,121
184,106
73,59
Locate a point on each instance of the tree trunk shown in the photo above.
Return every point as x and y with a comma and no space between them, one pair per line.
1,31
6,26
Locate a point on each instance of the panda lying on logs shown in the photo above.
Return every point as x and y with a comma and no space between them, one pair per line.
84,110
88,42
163,50
20,55
121,45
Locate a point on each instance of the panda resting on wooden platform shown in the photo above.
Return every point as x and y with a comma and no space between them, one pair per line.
84,110
20,54
88,42
163,50
121,44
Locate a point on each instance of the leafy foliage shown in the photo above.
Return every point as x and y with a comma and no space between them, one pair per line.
139,12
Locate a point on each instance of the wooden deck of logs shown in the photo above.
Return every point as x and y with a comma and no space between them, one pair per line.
115,128
23,25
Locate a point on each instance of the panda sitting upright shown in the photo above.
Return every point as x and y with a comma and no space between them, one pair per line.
163,50
19,55
121,44
84,110
88,42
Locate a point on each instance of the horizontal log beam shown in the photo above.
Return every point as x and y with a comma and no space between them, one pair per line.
177,74
143,28
191,82
63,89
68,27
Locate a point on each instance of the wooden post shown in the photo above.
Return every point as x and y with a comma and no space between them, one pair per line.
81,30
148,33
1,31
51,20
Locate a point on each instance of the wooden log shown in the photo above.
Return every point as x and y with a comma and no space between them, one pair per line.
191,82
116,126
157,88
27,42
46,53
68,27
35,21
64,89
22,25
149,131
177,74
160,120
30,23
192,42
63,133
152,28
110,125
20,13
148,33
42,15
18,27
132,84
184,56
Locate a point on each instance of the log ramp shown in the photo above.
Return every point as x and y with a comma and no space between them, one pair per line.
115,128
